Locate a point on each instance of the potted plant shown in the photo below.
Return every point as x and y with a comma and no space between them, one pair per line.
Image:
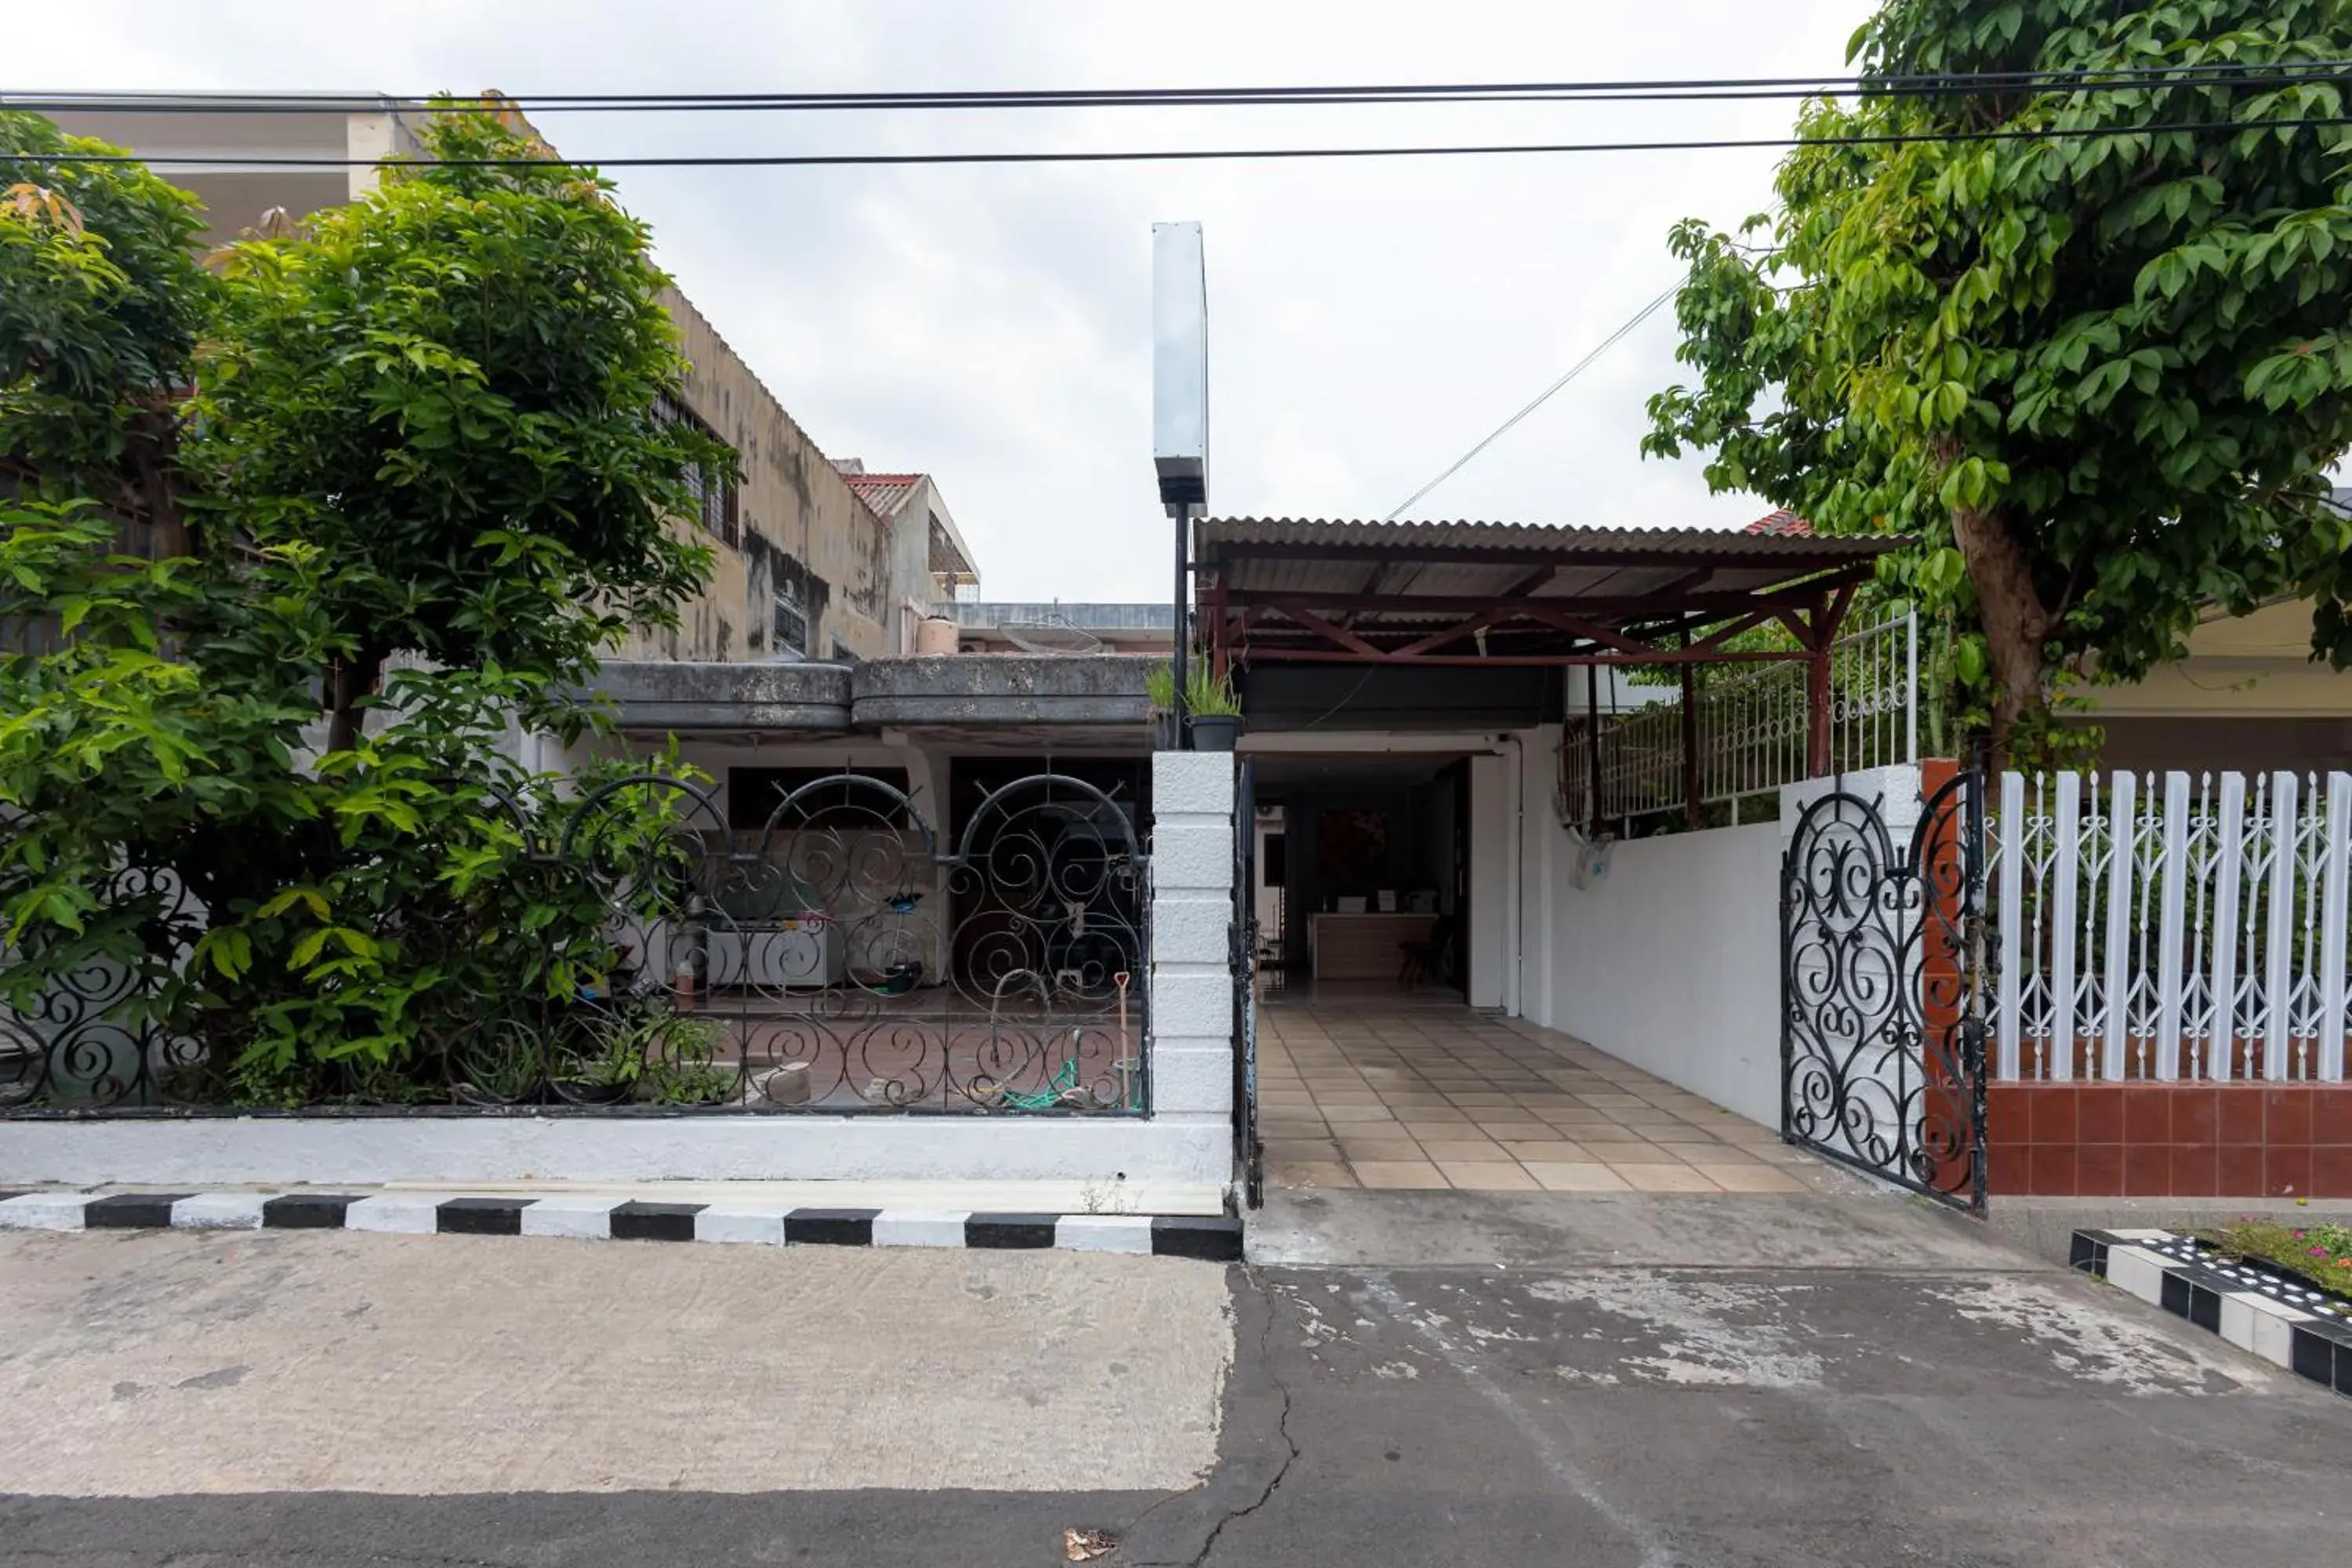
1216,712
682,1068
1211,708
600,1063
1159,691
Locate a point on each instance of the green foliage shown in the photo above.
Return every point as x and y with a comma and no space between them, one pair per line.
2320,1253
2098,379
415,479
100,313
1208,692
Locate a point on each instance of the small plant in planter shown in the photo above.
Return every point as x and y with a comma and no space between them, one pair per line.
683,1067
1210,705
2320,1253
1216,712
602,1061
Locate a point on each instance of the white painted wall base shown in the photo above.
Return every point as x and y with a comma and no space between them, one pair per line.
1670,962
373,1150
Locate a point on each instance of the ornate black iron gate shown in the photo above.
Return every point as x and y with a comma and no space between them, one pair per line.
1883,984
1249,1151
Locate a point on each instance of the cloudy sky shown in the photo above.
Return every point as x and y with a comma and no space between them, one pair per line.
1370,319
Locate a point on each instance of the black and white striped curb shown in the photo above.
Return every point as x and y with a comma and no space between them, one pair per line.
1211,1237
2307,1332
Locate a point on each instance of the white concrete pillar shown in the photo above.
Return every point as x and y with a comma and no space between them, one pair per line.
1192,1033
1493,907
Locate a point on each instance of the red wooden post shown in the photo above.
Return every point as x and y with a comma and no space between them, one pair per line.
1220,634
1944,1106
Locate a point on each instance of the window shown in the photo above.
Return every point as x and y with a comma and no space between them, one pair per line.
715,501
792,628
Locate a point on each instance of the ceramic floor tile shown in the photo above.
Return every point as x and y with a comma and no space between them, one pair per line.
1308,1174
1380,1148
1640,1155
1676,1178
1552,1153
1400,1175
1489,1177
1748,1177
1591,1178
1445,1149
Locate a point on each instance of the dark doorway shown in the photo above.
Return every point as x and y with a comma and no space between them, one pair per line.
1373,837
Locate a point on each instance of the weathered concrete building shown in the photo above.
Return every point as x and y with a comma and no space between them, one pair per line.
804,567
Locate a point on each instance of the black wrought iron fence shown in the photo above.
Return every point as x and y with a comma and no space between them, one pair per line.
838,959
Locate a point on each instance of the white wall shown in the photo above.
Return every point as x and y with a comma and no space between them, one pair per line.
367,1151
1493,854
1670,962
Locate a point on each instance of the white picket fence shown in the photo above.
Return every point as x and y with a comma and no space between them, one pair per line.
2168,928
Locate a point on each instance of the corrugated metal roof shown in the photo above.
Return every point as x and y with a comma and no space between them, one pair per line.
1695,542
1304,588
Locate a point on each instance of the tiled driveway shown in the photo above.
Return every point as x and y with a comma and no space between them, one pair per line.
1378,1087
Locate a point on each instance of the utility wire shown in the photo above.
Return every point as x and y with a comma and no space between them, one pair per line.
1184,154
2089,78
1644,314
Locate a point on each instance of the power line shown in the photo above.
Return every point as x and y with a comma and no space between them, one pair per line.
1644,314
1946,84
1188,154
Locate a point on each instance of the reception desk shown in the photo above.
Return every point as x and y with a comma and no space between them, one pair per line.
1362,947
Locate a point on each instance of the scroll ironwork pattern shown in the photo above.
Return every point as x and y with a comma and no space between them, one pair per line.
1883,1022
836,960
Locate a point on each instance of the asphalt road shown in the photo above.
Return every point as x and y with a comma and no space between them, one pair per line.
1908,1395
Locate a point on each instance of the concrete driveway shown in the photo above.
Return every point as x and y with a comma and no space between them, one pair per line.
1414,1379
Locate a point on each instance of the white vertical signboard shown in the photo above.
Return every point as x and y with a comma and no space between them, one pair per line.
1179,365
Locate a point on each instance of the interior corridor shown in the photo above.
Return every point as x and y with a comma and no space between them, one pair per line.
1374,1087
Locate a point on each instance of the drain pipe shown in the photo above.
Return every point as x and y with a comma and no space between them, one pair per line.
1515,999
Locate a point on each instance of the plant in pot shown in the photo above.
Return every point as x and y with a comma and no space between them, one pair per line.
1159,691
684,1069
1216,712
601,1059
1211,708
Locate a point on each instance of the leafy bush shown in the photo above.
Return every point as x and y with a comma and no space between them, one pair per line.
282,599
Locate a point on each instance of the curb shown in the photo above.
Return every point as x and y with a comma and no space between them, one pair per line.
2305,1332
1212,1238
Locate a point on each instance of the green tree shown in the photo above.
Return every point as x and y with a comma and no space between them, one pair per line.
2092,348
424,436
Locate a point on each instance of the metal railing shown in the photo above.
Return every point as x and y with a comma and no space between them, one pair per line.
840,959
1752,732
2167,928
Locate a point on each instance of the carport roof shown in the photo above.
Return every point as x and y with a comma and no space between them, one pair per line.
1418,592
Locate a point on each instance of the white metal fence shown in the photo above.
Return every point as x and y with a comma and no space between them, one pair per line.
1752,730
2165,928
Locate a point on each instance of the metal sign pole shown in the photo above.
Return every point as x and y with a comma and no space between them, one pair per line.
1183,740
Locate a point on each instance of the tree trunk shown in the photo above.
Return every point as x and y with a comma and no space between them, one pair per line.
347,683
2016,622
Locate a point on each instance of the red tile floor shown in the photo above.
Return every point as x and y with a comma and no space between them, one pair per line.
1372,1087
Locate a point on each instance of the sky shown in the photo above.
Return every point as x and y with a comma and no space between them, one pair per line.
1369,320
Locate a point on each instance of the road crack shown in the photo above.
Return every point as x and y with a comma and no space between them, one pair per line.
1282,1429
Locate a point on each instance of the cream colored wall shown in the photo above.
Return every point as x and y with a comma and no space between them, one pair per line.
2239,667
800,520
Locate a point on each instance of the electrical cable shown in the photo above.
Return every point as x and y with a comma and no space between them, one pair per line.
1192,155
1644,314
2086,79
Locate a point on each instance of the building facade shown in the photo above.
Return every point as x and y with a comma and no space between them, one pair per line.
803,568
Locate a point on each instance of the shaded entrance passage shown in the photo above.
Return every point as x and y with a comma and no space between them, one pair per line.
1370,1086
